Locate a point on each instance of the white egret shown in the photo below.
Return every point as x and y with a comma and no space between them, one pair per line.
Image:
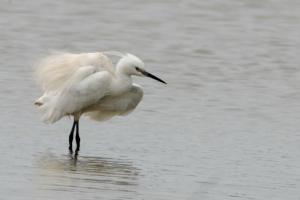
88,84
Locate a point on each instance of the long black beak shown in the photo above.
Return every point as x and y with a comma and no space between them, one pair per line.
152,76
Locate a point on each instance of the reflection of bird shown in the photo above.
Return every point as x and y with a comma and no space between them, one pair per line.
95,173
88,83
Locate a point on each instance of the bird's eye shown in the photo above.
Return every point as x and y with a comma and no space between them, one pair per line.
137,69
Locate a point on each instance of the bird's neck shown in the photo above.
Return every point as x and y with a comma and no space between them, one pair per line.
122,83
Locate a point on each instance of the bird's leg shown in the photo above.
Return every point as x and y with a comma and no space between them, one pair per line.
77,137
71,136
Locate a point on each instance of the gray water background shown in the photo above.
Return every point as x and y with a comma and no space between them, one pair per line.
227,125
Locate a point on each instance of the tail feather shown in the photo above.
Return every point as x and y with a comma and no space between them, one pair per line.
51,115
37,103
48,108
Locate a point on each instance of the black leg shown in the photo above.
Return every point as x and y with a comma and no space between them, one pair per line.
71,137
77,137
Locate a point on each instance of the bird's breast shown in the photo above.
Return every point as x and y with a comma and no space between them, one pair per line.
120,86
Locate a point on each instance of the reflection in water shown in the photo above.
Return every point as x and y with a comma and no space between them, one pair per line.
88,174
226,126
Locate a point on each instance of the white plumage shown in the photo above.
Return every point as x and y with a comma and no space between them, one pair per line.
76,83
89,84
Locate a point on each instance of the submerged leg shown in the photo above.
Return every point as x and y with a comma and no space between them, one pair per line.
77,137
71,136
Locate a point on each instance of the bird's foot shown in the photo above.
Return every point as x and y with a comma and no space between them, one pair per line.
76,151
70,149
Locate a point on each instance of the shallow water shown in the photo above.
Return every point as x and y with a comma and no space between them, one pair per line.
225,127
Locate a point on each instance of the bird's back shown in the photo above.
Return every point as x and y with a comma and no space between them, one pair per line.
54,71
72,82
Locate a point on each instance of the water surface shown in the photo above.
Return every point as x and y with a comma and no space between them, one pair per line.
225,127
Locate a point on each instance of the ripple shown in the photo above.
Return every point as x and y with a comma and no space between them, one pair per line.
69,173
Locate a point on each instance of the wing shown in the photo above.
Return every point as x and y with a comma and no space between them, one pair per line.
86,87
118,105
54,71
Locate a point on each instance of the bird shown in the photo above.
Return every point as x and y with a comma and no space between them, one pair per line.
88,84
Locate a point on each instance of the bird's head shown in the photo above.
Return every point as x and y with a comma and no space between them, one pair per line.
132,65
